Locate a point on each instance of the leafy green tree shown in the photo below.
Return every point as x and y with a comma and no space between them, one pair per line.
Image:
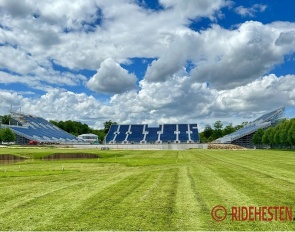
218,125
208,131
217,133
100,133
78,128
268,136
6,135
5,119
209,134
203,139
73,127
228,129
283,133
265,138
257,138
276,136
291,132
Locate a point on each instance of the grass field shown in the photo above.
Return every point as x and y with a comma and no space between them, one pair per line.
143,190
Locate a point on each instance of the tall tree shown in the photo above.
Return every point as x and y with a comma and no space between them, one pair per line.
5,119
73,127
276,136
283,133
257,138
291,132
228,129
217,133
208,131
268,136
100,133
218,125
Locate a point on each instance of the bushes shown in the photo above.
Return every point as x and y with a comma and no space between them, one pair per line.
282,135
257,138
210,134
6,135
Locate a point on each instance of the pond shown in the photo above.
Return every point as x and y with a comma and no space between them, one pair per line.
9,159
58,156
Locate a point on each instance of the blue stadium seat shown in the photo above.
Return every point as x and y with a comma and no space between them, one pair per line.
152,133
194,129
111,134
169,134
122,133
183,135
136,135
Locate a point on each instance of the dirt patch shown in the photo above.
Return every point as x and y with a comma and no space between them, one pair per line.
71,156
10,157
225,146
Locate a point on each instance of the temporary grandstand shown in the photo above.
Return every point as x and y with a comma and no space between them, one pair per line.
144,134
243,137
31,128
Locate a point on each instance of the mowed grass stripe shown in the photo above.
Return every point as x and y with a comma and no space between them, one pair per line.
189,208
261,182
214,190
52,198
240,186
121,207
263,163
145,190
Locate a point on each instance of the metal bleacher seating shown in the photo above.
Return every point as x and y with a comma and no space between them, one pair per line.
169,133
136,134
251,128
152,133
183,135
194,132
262,122
142,133
30,127
121,136
111,134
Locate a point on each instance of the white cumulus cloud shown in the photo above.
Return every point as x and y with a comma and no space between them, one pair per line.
112,78
250,11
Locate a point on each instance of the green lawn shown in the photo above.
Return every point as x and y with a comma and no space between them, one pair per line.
143,190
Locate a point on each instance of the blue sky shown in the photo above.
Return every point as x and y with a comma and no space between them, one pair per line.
144,61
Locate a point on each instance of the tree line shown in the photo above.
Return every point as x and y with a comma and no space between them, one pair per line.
78,128
282,135
210,134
